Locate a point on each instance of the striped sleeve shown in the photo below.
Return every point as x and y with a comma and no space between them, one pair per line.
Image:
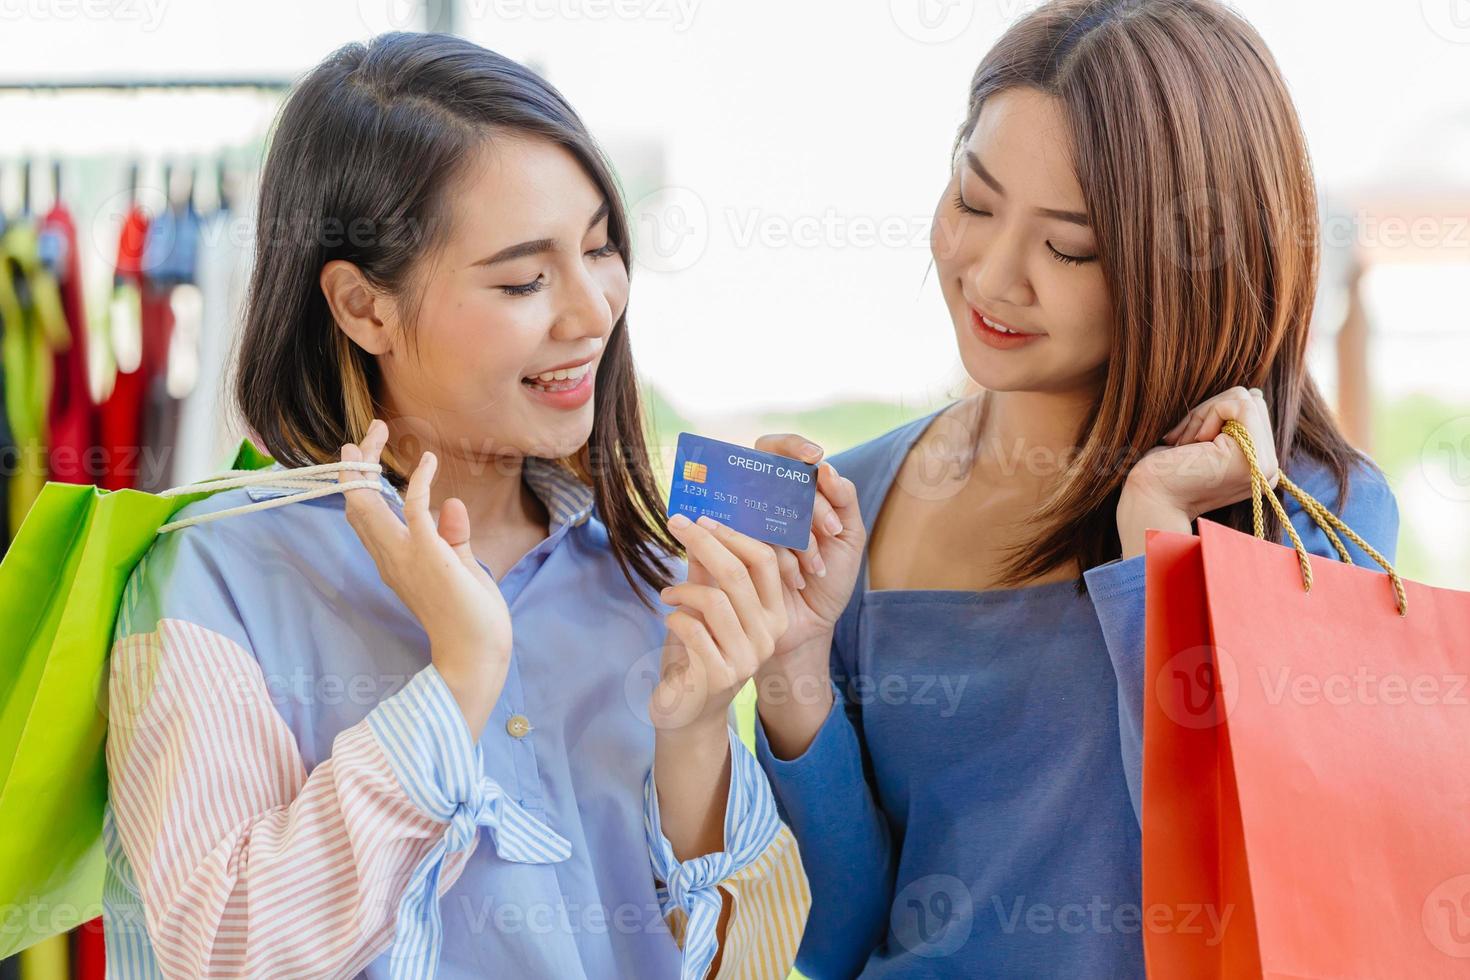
245,865
771,901
760,869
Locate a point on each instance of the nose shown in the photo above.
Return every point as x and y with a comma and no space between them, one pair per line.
584,310
998,275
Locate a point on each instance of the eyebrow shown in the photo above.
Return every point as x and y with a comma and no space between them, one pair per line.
1075,217
537,246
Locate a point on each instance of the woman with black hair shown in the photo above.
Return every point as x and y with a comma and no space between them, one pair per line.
457,628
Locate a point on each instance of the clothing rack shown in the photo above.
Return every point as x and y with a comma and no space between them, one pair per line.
137,84
79,954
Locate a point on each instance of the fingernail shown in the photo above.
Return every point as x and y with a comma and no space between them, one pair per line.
820,567
811,451
833,524
800,581
707,521
678,520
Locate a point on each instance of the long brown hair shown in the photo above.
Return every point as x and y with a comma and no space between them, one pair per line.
1200,193
361,163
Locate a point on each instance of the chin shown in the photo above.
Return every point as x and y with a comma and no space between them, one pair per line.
562,436
995,370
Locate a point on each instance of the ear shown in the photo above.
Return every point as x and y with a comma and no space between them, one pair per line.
364,313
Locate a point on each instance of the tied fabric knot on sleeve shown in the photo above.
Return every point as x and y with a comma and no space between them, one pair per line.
692,886
329,831
445,777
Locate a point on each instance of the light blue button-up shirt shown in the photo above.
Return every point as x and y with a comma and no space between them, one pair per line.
559,779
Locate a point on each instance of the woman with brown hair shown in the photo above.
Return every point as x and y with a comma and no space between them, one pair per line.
1127,248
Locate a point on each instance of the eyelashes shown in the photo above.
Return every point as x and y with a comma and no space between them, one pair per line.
524,289
1066,259
959,202
1062,257
539,283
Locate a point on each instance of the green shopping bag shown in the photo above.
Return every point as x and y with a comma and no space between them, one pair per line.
61,584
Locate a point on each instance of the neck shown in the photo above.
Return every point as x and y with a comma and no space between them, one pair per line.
496,498
1030,434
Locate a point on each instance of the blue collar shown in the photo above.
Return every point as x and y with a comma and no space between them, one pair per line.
566,498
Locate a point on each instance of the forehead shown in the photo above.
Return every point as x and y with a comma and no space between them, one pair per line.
518,188
1024,140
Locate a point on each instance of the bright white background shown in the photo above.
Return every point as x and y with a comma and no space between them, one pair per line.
803,145
783,160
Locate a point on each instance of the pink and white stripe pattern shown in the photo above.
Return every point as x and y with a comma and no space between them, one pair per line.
245,865
229,860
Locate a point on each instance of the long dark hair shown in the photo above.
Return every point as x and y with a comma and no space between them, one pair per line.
1200,191
360,163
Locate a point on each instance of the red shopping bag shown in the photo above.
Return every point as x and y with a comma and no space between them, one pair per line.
1306,786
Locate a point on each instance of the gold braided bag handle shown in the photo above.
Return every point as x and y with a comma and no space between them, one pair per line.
1329,522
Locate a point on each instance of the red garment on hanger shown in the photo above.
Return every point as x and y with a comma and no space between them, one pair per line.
121,424
72,417
89,951
130,243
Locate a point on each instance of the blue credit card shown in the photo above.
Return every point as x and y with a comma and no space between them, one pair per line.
762,495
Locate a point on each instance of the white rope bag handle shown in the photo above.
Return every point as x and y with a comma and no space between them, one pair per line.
306,483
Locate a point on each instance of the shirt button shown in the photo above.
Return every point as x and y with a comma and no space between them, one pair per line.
518,726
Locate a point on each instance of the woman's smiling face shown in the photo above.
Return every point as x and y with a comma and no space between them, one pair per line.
515,311
1013,247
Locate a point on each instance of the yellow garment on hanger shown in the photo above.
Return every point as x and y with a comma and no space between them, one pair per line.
49,959
34,328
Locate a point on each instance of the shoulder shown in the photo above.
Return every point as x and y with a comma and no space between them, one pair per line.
881,456
1368,487
206,573
1369,506
873,466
